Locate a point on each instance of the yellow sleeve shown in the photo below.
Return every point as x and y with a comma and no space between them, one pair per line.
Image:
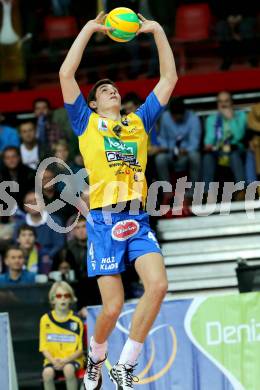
43,344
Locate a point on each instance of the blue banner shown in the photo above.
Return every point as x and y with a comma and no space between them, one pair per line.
170,359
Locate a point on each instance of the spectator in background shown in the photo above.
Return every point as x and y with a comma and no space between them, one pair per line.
236,29
163,13
61,150
61,335
51,193
14,170
61,7
64,262
16,274
78,245
87,289
26,239
32,152
50,240
8,135
253,145
51,125
223,141
130,103
180,135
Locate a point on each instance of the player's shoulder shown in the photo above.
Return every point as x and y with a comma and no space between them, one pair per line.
129,117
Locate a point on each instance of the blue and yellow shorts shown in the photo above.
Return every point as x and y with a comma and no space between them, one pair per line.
117,239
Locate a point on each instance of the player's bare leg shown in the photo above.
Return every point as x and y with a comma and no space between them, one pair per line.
112,294
152,273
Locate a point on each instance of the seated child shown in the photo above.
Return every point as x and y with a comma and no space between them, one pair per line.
61,338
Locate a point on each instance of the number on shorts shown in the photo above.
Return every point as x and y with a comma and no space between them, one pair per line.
152,236
91,251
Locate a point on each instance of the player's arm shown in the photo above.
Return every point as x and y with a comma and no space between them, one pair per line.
168,74
69,85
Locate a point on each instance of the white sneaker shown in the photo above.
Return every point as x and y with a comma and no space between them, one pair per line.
93,375
122,376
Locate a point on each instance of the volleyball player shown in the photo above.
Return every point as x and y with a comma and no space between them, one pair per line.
114,151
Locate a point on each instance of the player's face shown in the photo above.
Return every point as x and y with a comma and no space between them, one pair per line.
107,97
26,239
15,260
62,299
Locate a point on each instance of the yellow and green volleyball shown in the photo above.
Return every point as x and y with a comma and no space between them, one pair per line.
125,23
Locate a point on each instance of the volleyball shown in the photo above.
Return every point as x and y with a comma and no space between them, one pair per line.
125,23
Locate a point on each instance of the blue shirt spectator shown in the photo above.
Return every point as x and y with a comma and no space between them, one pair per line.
50,240
8,137
26,277
183,134
180,135
16,274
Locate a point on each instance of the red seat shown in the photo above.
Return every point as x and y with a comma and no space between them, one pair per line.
59,27
193,22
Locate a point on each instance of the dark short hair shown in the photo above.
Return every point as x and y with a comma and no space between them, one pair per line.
41,99
24,121
92,92
177,106
14,247
24,228
15,148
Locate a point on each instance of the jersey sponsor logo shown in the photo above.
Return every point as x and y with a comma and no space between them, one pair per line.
73,326
132,130
108,264
125,229
102,124
61,338
116,150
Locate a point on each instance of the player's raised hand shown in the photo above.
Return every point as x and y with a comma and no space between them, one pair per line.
97,24
148,26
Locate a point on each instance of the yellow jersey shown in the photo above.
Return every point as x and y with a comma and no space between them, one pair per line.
114,152
61,338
